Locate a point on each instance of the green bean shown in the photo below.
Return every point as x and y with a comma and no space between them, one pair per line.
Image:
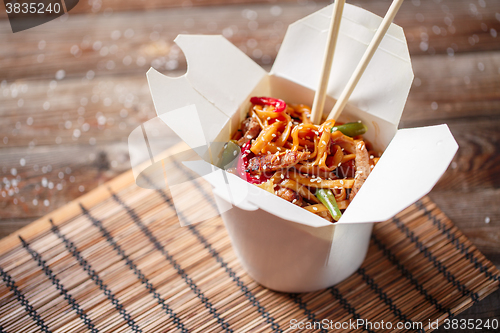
351,129
231,151
326,197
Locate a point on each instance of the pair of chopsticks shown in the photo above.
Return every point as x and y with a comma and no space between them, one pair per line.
319,97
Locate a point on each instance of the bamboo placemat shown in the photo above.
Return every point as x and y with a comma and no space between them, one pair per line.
116,260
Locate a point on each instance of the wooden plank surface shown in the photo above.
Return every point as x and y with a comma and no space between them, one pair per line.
108,107
119,43
72,90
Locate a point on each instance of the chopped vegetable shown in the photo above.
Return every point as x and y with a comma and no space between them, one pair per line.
328,199
230,153
279,104
351,129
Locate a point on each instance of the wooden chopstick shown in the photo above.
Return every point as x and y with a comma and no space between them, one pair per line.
365,60
319,97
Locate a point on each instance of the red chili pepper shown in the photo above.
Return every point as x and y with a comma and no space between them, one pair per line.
243,166
279,104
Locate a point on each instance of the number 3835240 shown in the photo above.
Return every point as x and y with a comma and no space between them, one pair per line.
33,8
474,324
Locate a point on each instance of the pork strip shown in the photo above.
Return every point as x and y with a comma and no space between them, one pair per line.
251,128
273,162
289,195
362,162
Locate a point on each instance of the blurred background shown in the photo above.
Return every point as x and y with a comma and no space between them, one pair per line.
72,90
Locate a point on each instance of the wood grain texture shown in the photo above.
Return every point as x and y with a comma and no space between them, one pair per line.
477,161
107,108
119,43
53,174
115,6
446,88
471,210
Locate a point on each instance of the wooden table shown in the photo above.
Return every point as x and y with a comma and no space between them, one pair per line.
73,89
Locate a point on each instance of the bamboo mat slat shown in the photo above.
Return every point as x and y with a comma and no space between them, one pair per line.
117,260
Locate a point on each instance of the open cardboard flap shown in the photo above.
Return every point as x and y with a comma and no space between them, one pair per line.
148,145
409,168
382,90
221,72
200,106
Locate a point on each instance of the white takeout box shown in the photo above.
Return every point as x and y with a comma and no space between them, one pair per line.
281,245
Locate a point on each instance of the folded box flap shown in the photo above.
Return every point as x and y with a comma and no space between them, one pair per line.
219,71
196,121
383,88
171,93
250,197
408,169
281,208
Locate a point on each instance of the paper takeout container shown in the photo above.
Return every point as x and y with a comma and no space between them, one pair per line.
281,245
